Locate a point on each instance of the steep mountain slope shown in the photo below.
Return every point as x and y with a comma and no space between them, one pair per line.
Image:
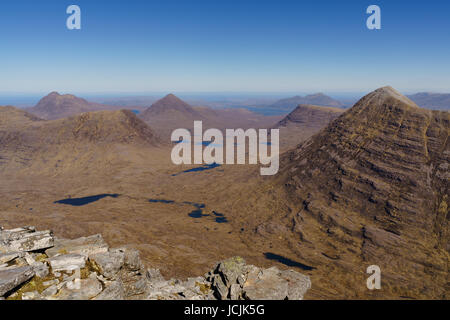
437,101
57,106
373,188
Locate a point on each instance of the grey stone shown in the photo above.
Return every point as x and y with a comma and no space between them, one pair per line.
220,289
40,269
235,292
83,246
89,288
14,277
230,270
25,239
135,286
113,291
273,284
298,284
67,262
132,258
109,263
50,291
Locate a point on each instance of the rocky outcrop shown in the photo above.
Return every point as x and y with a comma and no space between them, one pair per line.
233,279
34,265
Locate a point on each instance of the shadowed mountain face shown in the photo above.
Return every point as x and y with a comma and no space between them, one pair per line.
437,101
373,188
57,106
318,99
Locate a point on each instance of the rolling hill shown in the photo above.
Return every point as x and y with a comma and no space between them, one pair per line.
57,106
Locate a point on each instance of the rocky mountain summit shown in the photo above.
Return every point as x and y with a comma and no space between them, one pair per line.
35,265
375,184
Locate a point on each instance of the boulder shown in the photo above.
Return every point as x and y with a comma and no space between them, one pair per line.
273,284
14,277
298,284
266,286
230,270
108,263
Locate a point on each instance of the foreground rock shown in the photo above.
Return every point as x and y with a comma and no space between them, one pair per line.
86,268
24,239
10,278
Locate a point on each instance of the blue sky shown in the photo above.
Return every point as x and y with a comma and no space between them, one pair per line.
223,46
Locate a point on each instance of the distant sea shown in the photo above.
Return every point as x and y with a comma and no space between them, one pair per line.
22,101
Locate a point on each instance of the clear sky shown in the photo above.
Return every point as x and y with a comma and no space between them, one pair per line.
223,46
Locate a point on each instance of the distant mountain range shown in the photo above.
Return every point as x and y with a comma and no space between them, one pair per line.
318,99
434,101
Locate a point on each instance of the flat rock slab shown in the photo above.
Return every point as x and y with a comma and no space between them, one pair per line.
14,277
84,246
25,239
67,262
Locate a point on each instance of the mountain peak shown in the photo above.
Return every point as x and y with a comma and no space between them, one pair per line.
170,103
171,99
388,93
55,105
